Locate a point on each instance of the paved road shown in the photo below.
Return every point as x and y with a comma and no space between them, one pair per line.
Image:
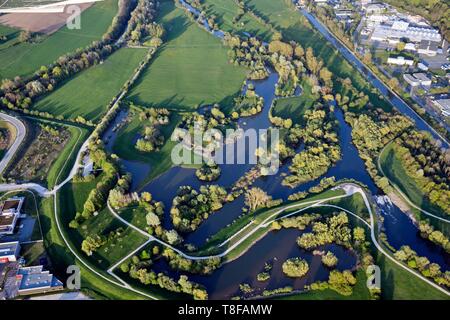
21,131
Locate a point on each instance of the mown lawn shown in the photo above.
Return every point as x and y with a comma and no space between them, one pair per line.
295,107
20,59
189,70
72,198
226,10
89,93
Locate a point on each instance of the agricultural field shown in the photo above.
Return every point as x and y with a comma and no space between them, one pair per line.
21,59
96,85
190,69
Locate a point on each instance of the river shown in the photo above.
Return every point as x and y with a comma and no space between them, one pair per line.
276,247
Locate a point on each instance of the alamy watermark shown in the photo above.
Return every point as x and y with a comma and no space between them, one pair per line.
235,146
73,21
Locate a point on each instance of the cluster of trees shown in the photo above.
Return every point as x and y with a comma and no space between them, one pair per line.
335,229
152,138
208,172
98,196
430,270
139,270
213,118
295,267
428,164
190,207
298,222
248,104
118,195
371,131
256,198
141,25
329,259
92,243
19,94
321,148
177,262
427,231
265,275
249,53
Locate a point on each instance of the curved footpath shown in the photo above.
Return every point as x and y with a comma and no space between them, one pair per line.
21,132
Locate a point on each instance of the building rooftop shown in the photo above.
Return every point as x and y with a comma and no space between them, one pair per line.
36,278
8,248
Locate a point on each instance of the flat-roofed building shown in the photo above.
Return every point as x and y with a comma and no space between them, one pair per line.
428,48
9,251
417,79
444,106
35,280
400,60
398,30
9,214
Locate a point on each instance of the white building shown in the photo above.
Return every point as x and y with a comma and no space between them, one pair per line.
444,106
9,214
417,79
428,48
400,61
394,32
9,251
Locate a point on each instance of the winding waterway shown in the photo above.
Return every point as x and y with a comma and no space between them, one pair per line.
278,246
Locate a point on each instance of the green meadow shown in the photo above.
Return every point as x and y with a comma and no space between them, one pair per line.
189,70
21,59
226,10
89,93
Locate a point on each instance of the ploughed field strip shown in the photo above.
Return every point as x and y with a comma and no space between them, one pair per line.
22,57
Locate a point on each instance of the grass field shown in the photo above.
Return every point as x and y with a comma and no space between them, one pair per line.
96,86
226,10
20,59
295,107
61,258
190,69
72,198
